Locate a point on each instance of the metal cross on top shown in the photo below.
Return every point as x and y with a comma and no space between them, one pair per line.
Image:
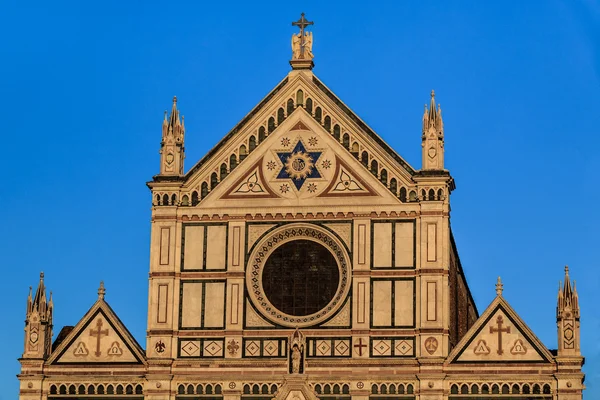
302,23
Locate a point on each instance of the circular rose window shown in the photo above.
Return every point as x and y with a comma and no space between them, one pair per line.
298,275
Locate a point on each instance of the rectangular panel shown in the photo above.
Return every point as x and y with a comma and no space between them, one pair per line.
165,239
431,242
214,304
382,253
405,244
233,302
236,248
360,302
216,245
381,299
193,255
161,313
362,243
404,303
431,301
191,305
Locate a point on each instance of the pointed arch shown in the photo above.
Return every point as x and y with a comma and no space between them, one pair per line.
262,133
431,195
346,141
309,106
203,190
402,194
299,98
290,106
214,181
364,159
271,125
165,200
318,114
394,187
374,168
280,116
232,162
383,177
252,141
327,123
194,198
243,152
222,171
337,132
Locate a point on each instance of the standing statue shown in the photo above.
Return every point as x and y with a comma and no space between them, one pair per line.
296,358
298,43
296,351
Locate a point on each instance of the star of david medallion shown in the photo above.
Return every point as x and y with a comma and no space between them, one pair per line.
299,164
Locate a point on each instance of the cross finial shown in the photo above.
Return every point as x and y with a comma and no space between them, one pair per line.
499,287
566,270
101,291
174,99
302,23
42,276
432,93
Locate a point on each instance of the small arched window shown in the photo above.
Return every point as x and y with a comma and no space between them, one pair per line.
222,171
290,106
394,186
271,124
280,116
213,180
232,162
336,132
327,123
299,98
440,194
374,167
402,194
364,159
318,114
412,196
165,200
383,177
309,106
431,194
464,389
194,198
243,152
203,190
262,133
252,142
173,199
346,141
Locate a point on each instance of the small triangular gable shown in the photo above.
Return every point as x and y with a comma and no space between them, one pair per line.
500,335
100,337
301,164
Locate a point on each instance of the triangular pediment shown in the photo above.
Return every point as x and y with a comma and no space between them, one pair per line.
300,163
499,335
299,114
100,337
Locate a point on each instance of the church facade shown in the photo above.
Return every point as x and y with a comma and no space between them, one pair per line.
300,259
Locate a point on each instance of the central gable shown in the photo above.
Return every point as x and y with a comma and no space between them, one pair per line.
326,124
299,164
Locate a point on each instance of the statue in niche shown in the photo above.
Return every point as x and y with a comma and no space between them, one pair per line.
297,352
299,42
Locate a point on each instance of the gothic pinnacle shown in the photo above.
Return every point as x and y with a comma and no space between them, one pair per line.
101,291
499,287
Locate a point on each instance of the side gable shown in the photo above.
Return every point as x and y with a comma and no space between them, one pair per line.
499,335
99,337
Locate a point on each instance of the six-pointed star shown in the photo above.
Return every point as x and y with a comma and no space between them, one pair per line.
300,160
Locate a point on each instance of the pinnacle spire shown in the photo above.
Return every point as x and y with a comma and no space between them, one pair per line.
499,287
101,291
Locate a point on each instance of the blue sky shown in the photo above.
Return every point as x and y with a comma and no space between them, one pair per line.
84,86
